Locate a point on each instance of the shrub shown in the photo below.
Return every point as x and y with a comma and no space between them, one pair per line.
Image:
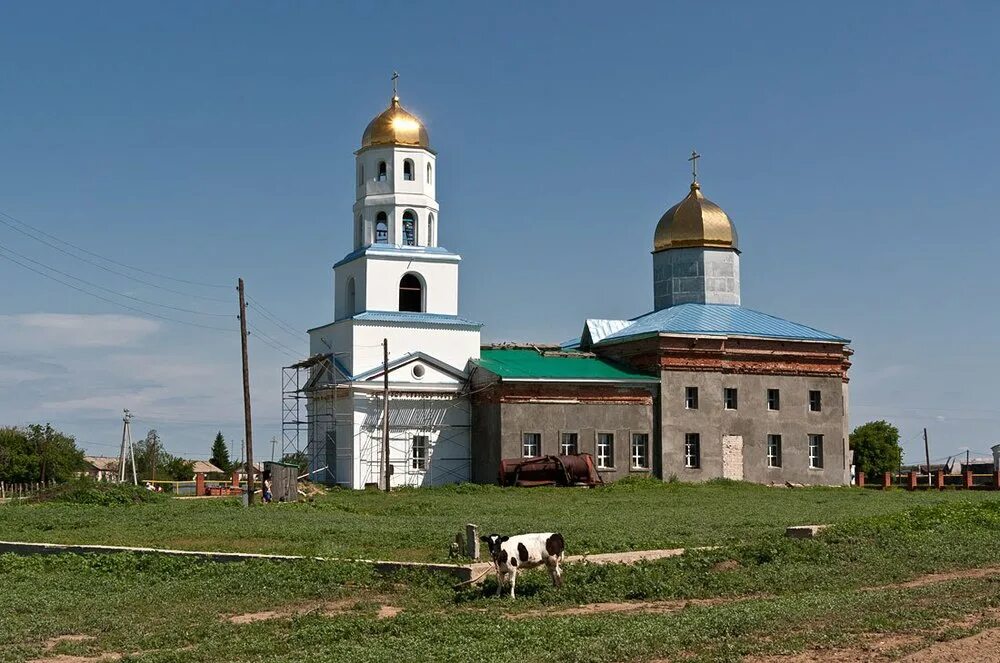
101,493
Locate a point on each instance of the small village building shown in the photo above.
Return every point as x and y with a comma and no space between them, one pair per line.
101,468
544,400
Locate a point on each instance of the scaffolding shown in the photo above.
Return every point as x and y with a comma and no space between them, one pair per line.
308,412
311,390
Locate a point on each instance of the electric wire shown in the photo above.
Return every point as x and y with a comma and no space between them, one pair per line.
108,269
274,318
97,255
111,301
260,334
109,290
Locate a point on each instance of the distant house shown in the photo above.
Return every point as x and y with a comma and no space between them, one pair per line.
101,468
205,467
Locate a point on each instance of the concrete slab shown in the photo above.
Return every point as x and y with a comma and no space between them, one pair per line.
804,531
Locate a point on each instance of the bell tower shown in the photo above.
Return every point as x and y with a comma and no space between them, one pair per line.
395,203
396,269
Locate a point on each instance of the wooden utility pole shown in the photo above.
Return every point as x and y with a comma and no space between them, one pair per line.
927,454
387,467
246,393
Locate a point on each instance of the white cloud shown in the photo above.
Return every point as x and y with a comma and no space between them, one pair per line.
52,331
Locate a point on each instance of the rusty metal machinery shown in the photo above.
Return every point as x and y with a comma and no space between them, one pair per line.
568,470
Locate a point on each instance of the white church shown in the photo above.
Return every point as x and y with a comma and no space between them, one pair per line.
699,387
400,286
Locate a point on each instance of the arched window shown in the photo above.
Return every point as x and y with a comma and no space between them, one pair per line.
361,174
409,228
381,228
429,169
408,169
359,231
430,229
382,176
411,294
350,307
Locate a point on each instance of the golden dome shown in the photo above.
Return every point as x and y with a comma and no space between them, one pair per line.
395,126
695,221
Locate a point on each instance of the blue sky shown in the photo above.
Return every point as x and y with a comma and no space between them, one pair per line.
853,144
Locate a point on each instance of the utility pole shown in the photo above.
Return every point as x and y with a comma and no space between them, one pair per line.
927,453
966,459
273,443
127,451
385,414
246,392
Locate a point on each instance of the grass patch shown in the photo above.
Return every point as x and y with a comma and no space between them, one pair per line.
418,524
834,591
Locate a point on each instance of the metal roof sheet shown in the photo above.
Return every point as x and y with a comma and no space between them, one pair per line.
529,364
720,320
400,251
407,317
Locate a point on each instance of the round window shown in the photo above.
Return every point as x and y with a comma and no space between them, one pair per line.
418,371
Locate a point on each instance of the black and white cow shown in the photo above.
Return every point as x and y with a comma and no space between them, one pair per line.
525,551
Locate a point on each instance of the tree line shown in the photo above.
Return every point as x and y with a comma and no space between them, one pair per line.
39,453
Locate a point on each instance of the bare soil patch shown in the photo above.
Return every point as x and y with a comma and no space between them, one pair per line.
658,607
67,658
325,608
52,643
983,646
947,576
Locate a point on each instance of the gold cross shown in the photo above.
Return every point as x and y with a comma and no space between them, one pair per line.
395,77
694,165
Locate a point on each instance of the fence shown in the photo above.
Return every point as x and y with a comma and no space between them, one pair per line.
937,480
20,491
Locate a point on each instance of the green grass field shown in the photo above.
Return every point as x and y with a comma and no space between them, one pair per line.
761,595
417,525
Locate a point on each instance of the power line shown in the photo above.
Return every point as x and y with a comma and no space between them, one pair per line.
111,301
109,290
271,340
275,319
97,255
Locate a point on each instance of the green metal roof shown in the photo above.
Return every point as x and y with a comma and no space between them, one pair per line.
530,364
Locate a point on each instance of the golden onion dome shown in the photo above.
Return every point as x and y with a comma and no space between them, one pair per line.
395,126
695,221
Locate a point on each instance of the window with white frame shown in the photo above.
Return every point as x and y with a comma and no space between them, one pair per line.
773,399
418,452
730,398
605,450
408,170
815,401
774,451
692,450
382,172
691,398
531,444
569,444
816,452
640,451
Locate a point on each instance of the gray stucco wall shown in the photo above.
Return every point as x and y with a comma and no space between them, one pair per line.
695,275
754,422
498,428
485,448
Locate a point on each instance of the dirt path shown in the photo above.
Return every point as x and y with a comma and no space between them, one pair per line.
325,608
947,576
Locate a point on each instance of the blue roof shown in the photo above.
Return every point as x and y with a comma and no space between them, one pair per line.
719,320
406,318
396,250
